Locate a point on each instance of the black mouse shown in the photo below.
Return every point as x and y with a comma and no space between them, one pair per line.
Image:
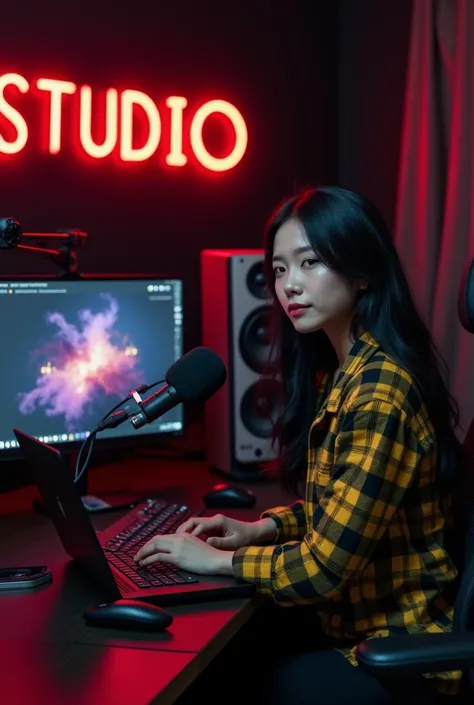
128,614
222,496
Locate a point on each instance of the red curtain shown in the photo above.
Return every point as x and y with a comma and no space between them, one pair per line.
435,202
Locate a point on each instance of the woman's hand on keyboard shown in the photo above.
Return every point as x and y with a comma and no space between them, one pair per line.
230,534
185,552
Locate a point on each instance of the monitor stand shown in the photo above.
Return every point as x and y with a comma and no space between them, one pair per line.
94,504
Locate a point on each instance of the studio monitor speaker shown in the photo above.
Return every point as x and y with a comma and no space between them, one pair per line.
236,325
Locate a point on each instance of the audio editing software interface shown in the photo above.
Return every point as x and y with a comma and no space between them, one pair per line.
72,350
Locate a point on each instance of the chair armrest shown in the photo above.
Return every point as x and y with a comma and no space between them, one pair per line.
402,656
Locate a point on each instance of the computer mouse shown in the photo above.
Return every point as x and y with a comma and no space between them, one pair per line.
128,614
222,496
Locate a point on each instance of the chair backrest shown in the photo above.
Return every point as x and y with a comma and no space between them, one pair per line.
464,496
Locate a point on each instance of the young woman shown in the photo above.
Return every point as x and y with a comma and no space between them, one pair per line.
368,428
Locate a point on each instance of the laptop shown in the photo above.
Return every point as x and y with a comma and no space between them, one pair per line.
107,556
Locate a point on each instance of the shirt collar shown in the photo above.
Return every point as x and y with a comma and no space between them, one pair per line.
361,351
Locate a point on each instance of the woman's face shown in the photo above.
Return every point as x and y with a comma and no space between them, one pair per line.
313,296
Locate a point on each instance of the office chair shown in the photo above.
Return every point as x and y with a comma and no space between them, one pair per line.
401,657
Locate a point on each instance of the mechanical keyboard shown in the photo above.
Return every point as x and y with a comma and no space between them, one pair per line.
156,516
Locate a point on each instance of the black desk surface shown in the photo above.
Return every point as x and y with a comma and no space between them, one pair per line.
47,653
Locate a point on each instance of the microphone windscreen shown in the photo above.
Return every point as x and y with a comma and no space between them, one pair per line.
197,375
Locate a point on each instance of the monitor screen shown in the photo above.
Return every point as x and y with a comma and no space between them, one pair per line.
72,350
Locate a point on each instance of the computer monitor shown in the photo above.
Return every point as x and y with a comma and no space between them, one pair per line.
72,349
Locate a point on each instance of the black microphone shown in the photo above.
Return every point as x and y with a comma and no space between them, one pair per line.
195,377
10,233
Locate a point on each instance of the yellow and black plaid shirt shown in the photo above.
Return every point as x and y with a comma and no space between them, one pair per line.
366,546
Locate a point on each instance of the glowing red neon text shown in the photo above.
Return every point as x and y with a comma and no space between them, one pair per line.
119,124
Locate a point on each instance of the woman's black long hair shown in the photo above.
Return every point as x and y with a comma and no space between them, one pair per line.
350,236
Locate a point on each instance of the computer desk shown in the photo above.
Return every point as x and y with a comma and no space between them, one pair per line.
47,653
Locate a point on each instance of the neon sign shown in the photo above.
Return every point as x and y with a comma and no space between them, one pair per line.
120,118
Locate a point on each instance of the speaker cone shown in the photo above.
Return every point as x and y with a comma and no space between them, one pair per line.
260,407
256,281
255,339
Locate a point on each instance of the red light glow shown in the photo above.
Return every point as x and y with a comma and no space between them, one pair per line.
98,151
120,110
199,148
15,118
57,90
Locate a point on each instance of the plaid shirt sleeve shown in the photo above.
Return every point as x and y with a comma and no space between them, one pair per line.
290,521
375,456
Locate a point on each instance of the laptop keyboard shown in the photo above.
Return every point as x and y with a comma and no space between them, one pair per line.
155,517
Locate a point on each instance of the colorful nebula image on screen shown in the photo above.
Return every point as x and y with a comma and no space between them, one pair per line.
82,361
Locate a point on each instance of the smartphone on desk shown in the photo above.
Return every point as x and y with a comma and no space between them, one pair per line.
24,577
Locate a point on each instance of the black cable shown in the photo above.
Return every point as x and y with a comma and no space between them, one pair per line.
108,421
80,471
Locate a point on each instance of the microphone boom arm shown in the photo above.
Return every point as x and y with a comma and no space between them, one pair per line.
64,255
